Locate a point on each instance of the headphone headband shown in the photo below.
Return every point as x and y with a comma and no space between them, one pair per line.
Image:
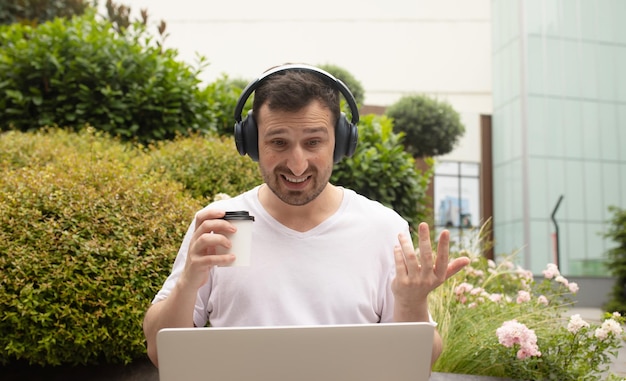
343,89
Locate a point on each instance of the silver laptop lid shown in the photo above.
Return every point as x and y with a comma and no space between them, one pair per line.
366,352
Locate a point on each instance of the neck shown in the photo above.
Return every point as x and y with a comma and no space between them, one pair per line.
302,217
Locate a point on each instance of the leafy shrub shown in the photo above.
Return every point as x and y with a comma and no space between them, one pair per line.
356,88
206,165
222,95
617,260
38,11
381,170
86,240
432,127
73,72
497,320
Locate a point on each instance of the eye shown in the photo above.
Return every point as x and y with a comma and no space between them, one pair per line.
314,142
278,142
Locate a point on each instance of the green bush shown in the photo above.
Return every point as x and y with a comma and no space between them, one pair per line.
222,95
356,88
38,11
617,261
86,240
206,165
381,170
498,320
80,71
432,127
89,228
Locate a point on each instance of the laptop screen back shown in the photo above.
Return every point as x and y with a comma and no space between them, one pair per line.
366,352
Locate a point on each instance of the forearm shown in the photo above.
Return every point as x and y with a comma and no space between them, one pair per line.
174,312
437,348
418,312
411,312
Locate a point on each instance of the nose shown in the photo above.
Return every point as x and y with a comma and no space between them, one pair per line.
298,161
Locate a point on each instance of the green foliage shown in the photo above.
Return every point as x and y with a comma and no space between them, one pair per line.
356,88
39,11
222,95
206,165
89,227
475,307
80,71
432,127
617,260
381,170
86,240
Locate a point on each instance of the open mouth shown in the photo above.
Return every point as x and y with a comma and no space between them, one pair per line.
296,180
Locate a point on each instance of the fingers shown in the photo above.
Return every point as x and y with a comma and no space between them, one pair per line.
456,265
211,231
426,251
406,260
443,253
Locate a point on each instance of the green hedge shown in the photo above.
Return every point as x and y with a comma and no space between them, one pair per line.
205,165
617,260
86,240
381,170
90,226
432,126
80,71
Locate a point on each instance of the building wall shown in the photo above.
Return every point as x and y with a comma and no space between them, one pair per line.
559,93
393,47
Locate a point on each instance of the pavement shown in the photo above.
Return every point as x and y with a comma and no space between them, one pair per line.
618,367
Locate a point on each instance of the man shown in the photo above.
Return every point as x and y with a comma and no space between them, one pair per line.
321,254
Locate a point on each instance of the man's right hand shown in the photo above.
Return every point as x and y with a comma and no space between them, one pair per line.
201,257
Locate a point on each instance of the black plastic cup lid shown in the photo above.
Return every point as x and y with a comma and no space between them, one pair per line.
238,215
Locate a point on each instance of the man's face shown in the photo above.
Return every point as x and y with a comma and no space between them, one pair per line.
296,151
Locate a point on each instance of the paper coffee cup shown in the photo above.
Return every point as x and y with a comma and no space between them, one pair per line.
241,240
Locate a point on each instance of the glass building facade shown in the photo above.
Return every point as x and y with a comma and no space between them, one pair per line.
559,130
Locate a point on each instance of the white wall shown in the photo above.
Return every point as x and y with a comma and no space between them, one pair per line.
393,47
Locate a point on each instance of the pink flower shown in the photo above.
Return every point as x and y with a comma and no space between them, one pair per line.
526,352
543,300
576,323
525,274
477,291
511,332
463,288
608,327
496,298
551,271
523,296
573,287
561,279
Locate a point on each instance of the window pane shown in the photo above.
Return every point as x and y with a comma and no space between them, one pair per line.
447,168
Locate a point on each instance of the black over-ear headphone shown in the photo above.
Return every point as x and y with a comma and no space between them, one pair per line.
246,130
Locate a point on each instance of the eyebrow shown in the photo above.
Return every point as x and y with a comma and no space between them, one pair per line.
307,130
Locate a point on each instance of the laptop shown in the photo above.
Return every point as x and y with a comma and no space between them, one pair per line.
365,352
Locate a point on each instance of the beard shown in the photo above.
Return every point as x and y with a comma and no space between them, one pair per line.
312,187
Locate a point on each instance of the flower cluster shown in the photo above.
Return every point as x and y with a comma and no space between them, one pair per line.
498,320
511,332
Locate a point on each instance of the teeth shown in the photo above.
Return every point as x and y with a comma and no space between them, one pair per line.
293,180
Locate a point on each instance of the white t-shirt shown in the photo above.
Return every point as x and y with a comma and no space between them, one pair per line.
339,272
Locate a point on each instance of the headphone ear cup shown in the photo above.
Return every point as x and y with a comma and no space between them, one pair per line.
353,139
247,137
346,137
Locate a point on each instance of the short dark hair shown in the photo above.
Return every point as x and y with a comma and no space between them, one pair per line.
291,90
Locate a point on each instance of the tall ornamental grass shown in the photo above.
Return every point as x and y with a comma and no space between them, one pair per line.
497,320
